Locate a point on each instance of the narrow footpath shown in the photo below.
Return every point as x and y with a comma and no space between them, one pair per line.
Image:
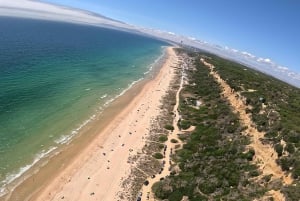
146,191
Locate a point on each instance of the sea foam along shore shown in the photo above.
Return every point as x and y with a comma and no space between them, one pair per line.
106,156
14,179
100,168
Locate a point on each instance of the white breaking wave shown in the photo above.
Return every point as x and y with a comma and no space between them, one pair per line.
64,139
104,96
156,61
12,177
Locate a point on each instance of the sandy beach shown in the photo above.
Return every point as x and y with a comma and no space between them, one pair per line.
98,171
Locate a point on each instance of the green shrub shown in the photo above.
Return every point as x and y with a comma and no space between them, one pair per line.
174,140
254,173
294,137
290,148
184,124
158,155
292,192
161,146
182,137
279,149
207,187
296,170
285,163
169,127
159,190
176,196
163,138
250,154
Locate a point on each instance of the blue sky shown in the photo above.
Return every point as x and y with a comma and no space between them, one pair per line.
265,28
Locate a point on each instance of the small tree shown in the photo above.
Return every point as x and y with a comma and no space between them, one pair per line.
169,127
279,149
174,140
158,155
290,148
163,138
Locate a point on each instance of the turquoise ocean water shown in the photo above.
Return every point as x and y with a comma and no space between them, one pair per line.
54,78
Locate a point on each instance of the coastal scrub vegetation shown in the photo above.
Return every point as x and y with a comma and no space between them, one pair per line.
169,127
158,155
163,138
215,162
275,107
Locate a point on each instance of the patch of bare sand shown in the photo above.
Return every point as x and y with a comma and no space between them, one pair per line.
265,155
190,129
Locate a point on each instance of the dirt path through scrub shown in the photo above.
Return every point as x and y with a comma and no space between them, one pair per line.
146,193
265,155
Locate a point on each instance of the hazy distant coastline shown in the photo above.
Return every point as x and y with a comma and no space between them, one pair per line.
40,10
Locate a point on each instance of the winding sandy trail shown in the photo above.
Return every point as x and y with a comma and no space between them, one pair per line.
147,193
265,155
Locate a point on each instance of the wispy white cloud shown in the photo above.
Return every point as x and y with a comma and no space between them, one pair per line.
191,38
283,68
265,60
248,54
41,10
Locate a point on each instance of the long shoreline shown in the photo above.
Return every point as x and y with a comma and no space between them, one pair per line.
16,177
107,144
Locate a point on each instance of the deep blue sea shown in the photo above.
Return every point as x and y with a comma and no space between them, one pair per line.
54,78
